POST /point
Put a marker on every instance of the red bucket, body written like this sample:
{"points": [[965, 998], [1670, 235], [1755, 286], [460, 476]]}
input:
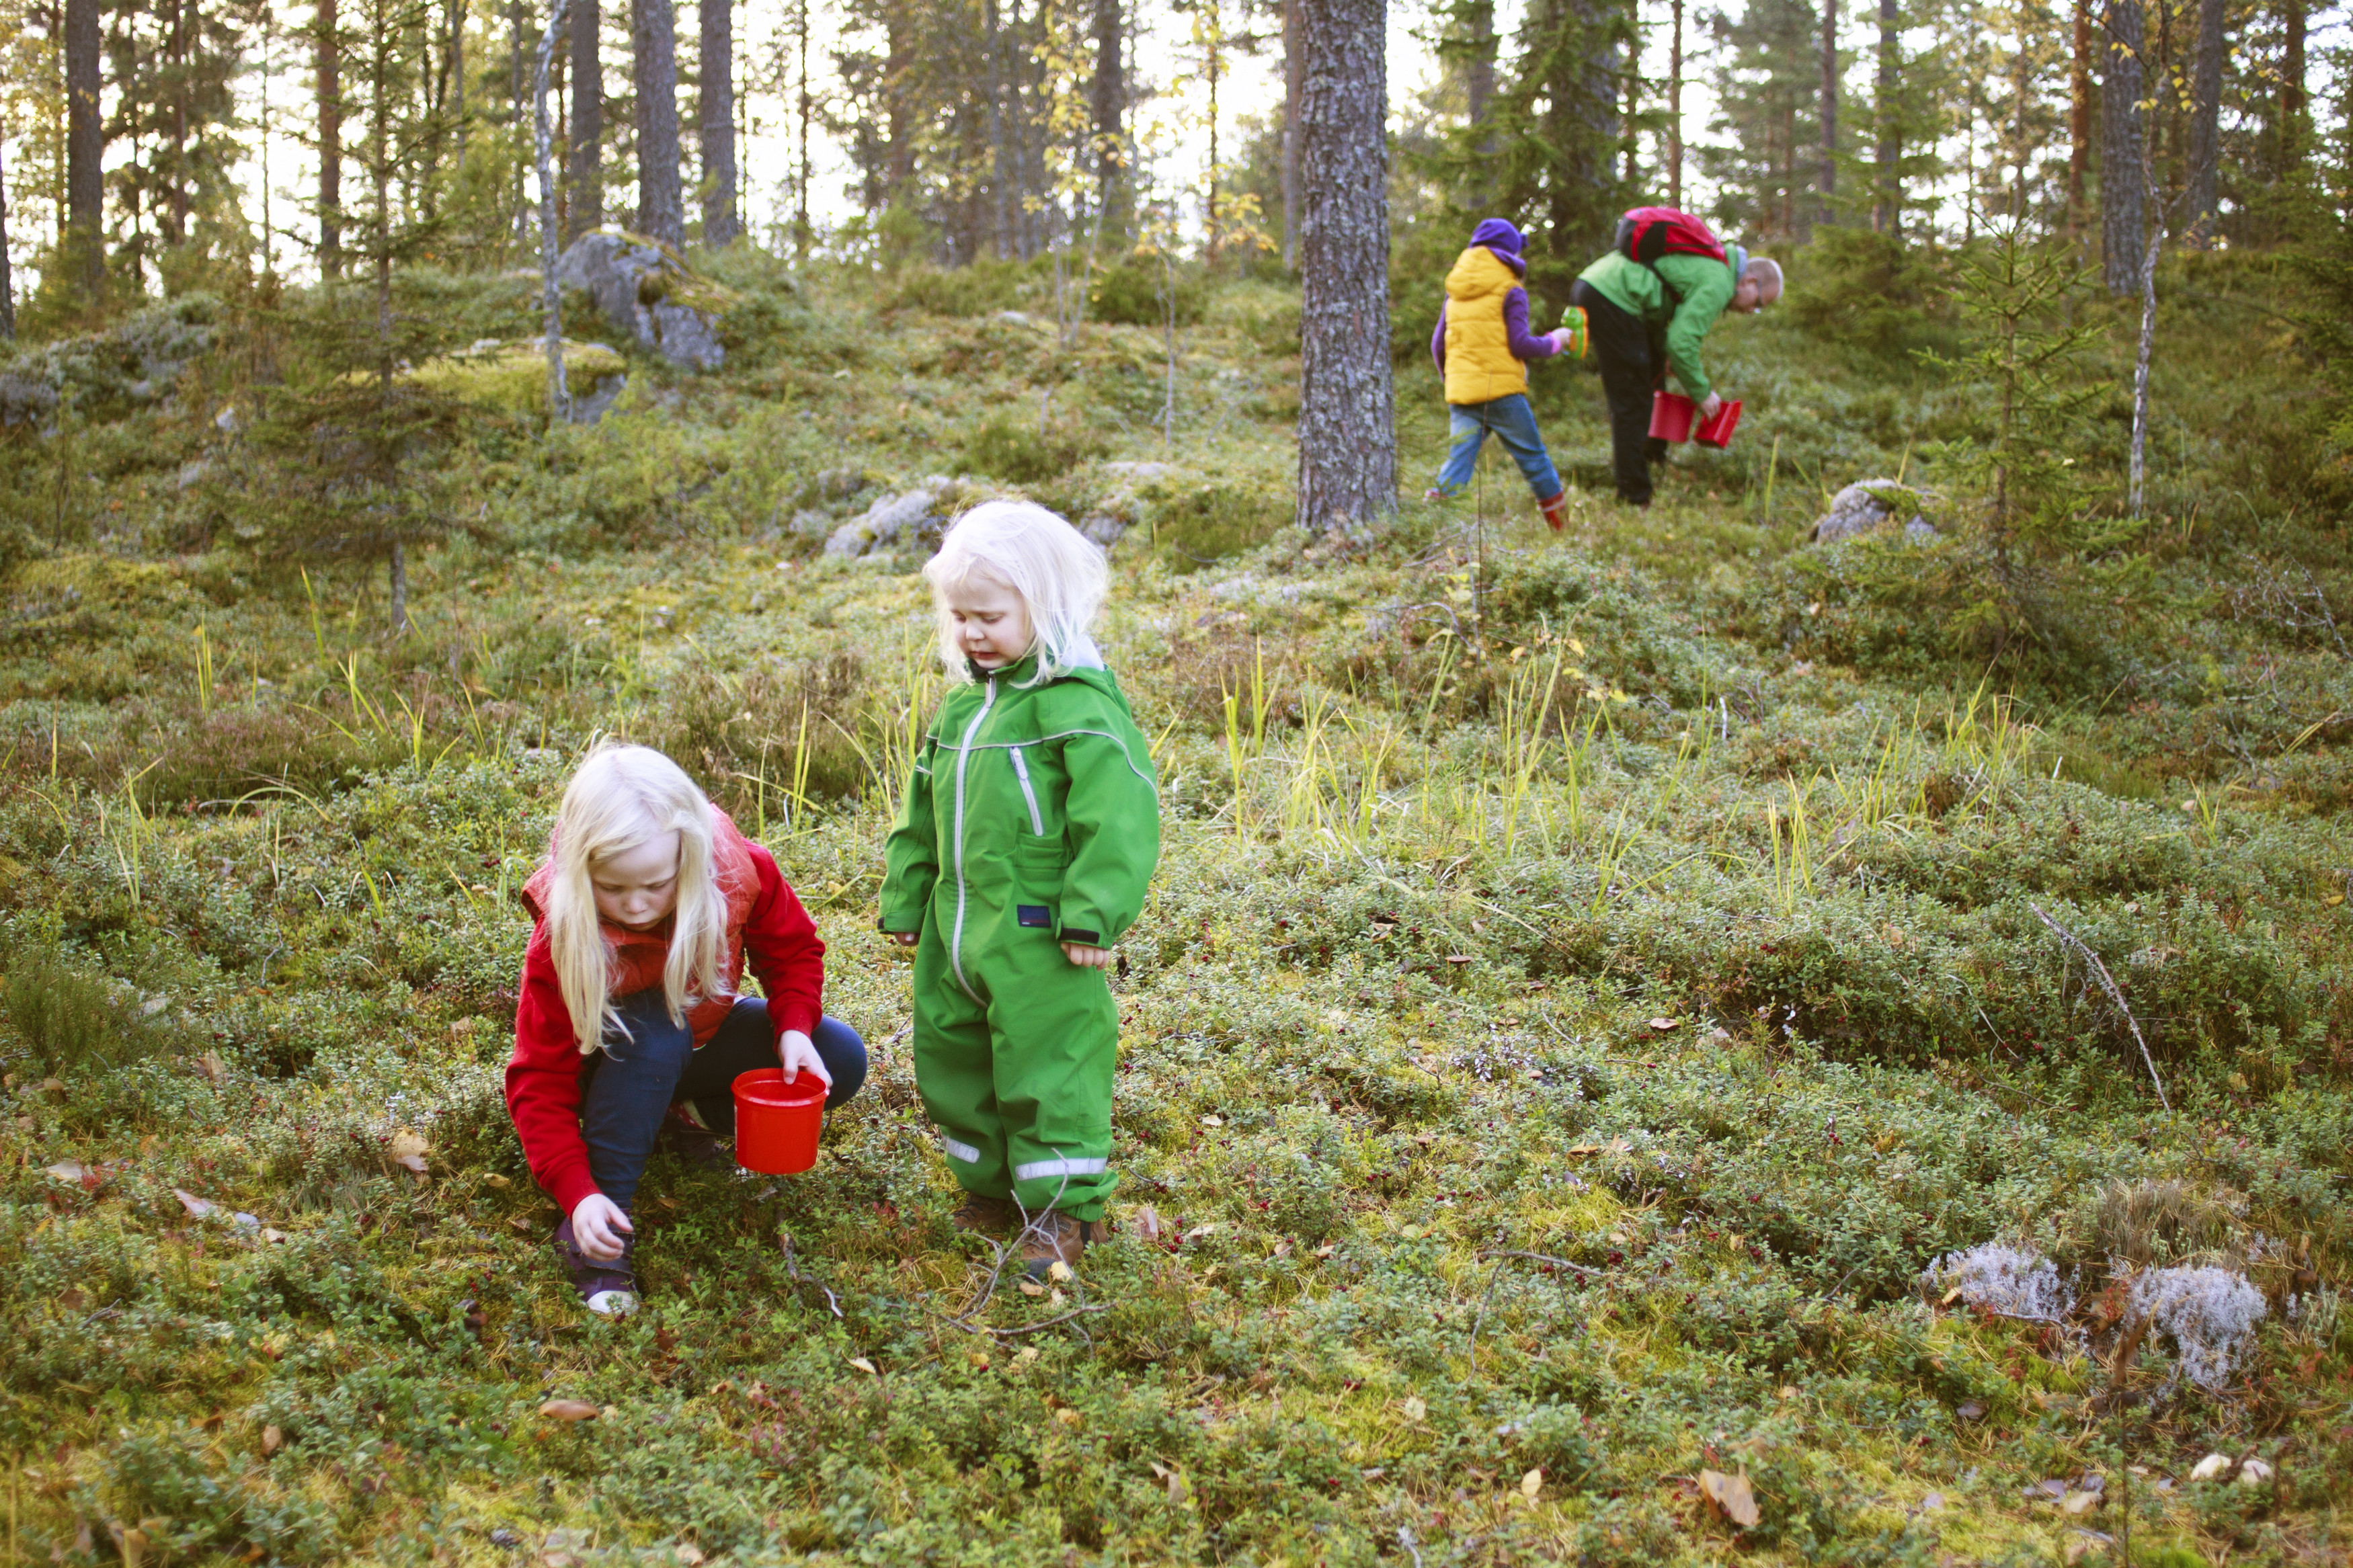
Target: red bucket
{"points": [[1671, 417], [1717, 432], [776, 1123]]}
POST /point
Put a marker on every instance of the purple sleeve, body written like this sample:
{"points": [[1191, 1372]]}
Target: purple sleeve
{"points": [[1438, 340], [1515, 328]]}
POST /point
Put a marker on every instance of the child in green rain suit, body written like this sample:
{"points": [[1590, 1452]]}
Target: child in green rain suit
{"points": [[1030, 831]]}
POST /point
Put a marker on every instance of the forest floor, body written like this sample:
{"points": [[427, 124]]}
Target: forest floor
{"points": [[1592, 982]]}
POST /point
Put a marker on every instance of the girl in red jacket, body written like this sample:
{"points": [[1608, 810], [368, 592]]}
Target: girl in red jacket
{"points": [[629, 1027]]}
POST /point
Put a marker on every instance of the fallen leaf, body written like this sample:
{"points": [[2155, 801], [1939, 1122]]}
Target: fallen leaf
{"points": [[979, 1359], [2207, 1469], [1951, 1295], [1532, 1483], [1144, 1224], [1058, 1272], [568, 1410], [1054, 1298], [521, 1221], [54, 1088], [69, 1171], [1585, 1148], [1788, 1391], [272, 1236], [1031, 1287], [1968, 1410], [1283, 1248], [272, 1440], [1028, 1353], [1327, 1249], [692, 1556], [2253, 1473], [211, 1066], [2078, 1502], [1213, 1121], [1066, 1416], [73, 1299], [1732, 1495], [1666, 1026], [1931, 1502], [409, 1151], [862, 1364], [502, 1183], [198, 1207], [1199, 1230], [1414, 1407]]}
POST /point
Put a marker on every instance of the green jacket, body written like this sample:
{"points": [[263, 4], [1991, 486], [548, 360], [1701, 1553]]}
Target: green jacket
{"points": [[1706, 289], [1022, 793]]}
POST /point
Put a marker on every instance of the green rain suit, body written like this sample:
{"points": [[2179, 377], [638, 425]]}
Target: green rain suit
{"points": [[1031, 819]]}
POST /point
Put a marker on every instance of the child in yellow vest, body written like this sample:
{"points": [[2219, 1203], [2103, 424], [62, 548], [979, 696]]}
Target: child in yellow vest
{"points": [[1482, 347]]}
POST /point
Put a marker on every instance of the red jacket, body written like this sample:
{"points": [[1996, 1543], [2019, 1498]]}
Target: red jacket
{"points": [[765, 924]]}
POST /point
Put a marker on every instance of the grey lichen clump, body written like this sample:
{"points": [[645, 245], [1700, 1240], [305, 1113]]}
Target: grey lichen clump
{"points": [[1869, 505], [2017, 1282], [2209, 1314]]}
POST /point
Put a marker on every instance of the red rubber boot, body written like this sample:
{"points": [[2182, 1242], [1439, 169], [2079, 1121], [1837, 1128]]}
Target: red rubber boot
{"points": [[1555, 509]]}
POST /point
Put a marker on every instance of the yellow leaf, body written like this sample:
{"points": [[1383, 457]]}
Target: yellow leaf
{"points": [[979, 1359], [406, 1143], [1066, 1416], [1031, 1287], [862, 1364], [495, 1179], [569, 1410], [1058, 1272], [272, 1440], [1532, 1483], [1732, 1496]]}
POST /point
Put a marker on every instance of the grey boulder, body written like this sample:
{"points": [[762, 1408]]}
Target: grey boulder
{"points": [[1867, 506], [635, 284], [911, 520]]}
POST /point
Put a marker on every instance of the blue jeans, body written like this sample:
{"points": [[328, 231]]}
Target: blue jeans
{"points": [[1511, 421], [627, 1088]]}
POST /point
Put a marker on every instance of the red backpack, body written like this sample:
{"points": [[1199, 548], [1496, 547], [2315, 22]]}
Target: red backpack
{"points": [[1645, 234]]}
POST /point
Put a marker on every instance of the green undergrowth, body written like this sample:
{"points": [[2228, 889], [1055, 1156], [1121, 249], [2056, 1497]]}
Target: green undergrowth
{"points": [[1591, 981]]}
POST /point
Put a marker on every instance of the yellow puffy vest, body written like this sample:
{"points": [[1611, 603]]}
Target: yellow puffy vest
{"points": [[1479, 364]]}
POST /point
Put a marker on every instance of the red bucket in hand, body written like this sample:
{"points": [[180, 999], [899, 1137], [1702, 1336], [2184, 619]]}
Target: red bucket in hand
{"points": [[1671, 417], [1717, 432], [776, 1123]]}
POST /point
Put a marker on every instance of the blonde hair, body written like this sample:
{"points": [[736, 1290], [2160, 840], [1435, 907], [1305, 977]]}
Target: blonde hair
{"points": [[620, 798], [1057, 571], [1768, 274]]}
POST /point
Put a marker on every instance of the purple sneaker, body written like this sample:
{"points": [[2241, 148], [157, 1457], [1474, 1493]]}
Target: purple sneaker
{"points": [[685, 1134], [609, 1289]]}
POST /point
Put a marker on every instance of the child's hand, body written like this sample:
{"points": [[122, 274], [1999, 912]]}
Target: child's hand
{"points": [[1710, 406], [904, 938], [796, 1054], [1086, 957], [598, 1225]]}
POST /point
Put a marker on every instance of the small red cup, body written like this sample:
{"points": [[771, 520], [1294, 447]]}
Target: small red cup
{"points": [[1671, 417], [1717, 432], [776, 1123]]}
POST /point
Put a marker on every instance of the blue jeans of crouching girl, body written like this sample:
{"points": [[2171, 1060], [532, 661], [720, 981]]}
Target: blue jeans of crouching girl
{"points": [[626, 1089], [1511, 421]]}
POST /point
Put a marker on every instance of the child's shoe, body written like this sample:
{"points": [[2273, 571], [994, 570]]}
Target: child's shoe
{"points": [[1055, 1237], [1555, 510], [607, 1289], [985, 1215], [1433, 493], [685, 1134]]}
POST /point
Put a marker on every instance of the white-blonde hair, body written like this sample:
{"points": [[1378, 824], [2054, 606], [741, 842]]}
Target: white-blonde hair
{"points": [[1767, 273], [620, 797], [1057, 571]]}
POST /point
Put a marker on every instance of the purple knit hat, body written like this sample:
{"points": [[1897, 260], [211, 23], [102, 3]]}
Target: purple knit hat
{"points": [[1497, 235]]}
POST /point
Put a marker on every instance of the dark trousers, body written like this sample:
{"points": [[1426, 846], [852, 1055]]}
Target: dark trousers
{"points": [[1632, 369], [627, 1088]]}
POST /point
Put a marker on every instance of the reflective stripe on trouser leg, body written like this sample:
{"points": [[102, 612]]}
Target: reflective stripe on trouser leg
{"points": [[952, 1072], [1057, 1038]]}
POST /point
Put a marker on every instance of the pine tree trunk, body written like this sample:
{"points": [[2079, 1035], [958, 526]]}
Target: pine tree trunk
{"points": [[661, 202], [805, 106], [1348, 435], [175, 181], [559, 395], [396, 572], [1108, 107], [458, 72], [717, 106], [1887, 200], [514, 99], [85, 149], [2291, 93], [1829, 107], [2122, 224], [1000, 173], [2079, 119], [1479, 68], [7, 283], [1294, 61], [584, 206], [1675, 107], [898, 131], [2205, 123]]}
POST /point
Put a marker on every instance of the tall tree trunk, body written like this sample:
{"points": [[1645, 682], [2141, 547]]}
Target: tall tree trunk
{"points": [[2121, 230], [2079, 119], [1108, 108], [1478, 66], [175, 181], [457, 56], [1675, 107], [899, 131], [1887, 199], [806, 105], [2021, 63], [584, 185], [85, 149], [1000, 163], [661, 202], [559, 395], [1631, 143], [514, 99], [1347, 413], [7, 283], [717, 114], [1829, 107], [2291, 93], [1295, 64]]}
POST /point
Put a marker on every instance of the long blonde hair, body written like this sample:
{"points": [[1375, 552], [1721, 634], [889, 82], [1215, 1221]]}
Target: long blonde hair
{"points": [[1057, 571], [620, 798]]}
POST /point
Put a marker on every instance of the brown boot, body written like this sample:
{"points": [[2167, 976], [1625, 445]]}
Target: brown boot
{"points": [[985, 1215], [1055, 1237]]}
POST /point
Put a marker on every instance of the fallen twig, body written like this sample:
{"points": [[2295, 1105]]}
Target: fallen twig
{"points": [[2116, 994], [1583, 1274]]}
